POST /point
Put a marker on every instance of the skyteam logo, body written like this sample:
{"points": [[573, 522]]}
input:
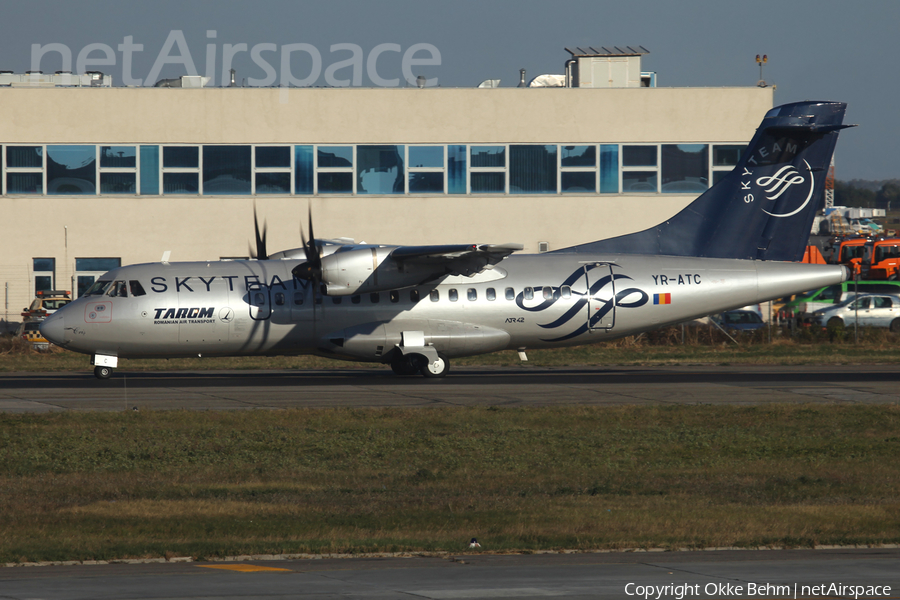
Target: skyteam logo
{"points": [[774, 186]]}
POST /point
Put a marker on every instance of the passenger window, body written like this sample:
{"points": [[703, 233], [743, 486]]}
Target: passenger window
{"points": [[453, 294], [136, 288], [414, 296], [259, 298], [355, 299], [472, 294], [395, 296], [279, 299], [565, 291], [434, 295], [548, 292], [298, 298], [528, 293], [375, 297], [510, 294], [490, 294]]}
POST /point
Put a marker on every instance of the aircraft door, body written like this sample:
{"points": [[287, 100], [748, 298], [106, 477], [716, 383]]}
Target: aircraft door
{"points": [[601, 293], [259, 299]]}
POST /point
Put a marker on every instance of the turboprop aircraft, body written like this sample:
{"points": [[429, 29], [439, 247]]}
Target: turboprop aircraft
{"points": [[417, 307]]}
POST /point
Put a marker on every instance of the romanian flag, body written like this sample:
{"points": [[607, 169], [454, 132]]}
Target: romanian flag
{"points": [[662, 298]]}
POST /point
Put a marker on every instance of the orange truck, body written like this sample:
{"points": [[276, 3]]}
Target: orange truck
{"points": [[882, 260]]}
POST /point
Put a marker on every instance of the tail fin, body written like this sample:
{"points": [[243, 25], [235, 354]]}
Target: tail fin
{"points": [[764, 208]]}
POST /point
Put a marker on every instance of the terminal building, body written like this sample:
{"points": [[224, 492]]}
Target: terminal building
{"points": [[96, 176]]}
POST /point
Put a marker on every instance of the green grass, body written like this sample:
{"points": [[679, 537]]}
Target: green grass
{"points": [[118, 485]]}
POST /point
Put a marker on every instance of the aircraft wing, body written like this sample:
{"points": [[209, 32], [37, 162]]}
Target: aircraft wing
{"points": [[454, 259]]}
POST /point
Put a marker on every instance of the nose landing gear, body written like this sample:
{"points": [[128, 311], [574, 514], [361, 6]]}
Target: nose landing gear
{"points": [[102, 372], [104, 365]]}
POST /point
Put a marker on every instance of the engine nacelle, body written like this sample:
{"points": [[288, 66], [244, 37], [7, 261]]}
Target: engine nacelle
{"points": [[370, 269]]}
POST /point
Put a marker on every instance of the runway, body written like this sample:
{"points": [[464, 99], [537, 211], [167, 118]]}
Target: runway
{"points": [[700, 574], [467, 386]]}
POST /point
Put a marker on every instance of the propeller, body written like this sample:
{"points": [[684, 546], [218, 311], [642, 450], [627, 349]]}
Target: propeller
{"points": [[260, 253], [311, 270]]}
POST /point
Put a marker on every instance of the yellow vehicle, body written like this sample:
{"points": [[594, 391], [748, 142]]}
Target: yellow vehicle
{"points": [[46, 303], [31, 333]]}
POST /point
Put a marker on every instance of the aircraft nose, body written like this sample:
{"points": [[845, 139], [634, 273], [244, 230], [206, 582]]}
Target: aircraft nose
{"points": [[54, 328]]}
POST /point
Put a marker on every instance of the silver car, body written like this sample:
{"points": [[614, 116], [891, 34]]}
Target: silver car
{"points": [[873, 310]]}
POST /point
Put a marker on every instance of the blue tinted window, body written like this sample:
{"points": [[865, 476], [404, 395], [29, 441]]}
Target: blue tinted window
{"points": [[335, 156], [426, 156], [578, 156], [532, 169], [685, 168], [578, 181], [44, 264], [24, 183], [380, 169], [181, 183], [185, 157], [638, 156], [117, 183], [609, 169], [24, 156], [149, 170], [273, 156], [335, 183], [273, 183], [71, 170], [456, 169], [727, 156], [226, 170], [488, 156], [426, 183], [303, 166], [97, 264], [639, 181], [488, 183], [118, 156]]}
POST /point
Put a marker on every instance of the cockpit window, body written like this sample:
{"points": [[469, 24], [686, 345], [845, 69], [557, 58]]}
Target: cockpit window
{"points": [[136, 288], [99, 288], [118, 290]]}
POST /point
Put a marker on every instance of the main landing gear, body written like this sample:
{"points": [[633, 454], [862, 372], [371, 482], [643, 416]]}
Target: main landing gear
{"points": [[410, 364]]}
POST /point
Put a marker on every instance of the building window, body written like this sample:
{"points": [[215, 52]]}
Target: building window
{"points": [[118, 169], [334, 169], [685, 168], [380, 170], [44, 274], [426, 169], [578, 169], [639, 168], [87, 270], [724, 159], [149, 171], [488, 170], [181, 170], [272, 170], [304, 170], [532, 169], [456, 169], [71, 170], [609, 169], [226, 170]]}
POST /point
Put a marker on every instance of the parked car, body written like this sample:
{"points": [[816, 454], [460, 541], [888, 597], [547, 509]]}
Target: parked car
{"points": [[872, 311], [739, 320], [803, 305]]}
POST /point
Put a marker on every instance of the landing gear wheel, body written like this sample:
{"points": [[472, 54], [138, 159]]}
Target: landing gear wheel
{"points": [[102, 372], [405, 365], [438, 368], [895, 325]]}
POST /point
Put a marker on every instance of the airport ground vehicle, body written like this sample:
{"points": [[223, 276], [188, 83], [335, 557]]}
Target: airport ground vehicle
{"points": [[46, 303], [803, 305], [882, 259], [30, 332], [869, 310]]}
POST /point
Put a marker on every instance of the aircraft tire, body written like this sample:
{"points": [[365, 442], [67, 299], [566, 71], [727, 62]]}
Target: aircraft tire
{"points": [[405, 365], [438, 368], [102, 372]]}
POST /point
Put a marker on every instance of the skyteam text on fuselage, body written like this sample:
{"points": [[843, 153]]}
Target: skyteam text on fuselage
{"points": [[417, 307]]}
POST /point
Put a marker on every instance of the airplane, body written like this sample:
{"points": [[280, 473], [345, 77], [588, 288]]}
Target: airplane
{"points": [[416, 308]]}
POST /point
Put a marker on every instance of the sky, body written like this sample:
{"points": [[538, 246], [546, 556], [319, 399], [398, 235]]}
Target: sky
{"points": [[816, 49]]}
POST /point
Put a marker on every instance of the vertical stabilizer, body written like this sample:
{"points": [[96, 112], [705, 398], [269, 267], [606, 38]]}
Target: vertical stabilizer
{"points": [[764, 208]]}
